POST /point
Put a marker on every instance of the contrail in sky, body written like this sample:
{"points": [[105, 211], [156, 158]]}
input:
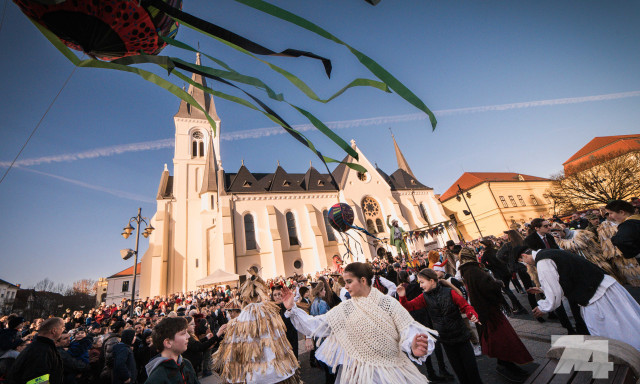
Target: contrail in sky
{"points": [[344, 124], [114, 192]]}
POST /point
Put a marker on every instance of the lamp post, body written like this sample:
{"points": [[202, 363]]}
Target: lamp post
{"points": [[461, 193], [127, 232]]}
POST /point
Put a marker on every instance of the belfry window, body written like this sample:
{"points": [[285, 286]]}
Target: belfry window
{"points": [[197, 144]]}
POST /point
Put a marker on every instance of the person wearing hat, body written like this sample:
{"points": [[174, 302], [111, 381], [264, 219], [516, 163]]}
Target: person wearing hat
{"points": [[607, 308], [450, 258], [11, 336], [396, 238], [108, 343], [124, 364]]}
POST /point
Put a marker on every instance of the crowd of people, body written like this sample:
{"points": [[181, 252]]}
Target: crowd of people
{"points": [[372, 322]]}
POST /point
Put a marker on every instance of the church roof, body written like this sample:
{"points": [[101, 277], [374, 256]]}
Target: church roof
{"points": [[469, 180], [402, 162], [204, 99], [209, 179], [402, 180], [277, 182]]}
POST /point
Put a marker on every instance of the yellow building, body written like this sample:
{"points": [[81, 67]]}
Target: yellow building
{"points": [[496, 200]]}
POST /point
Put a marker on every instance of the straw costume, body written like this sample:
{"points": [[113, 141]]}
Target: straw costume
{"points": [[255, 347], [369, 337], [629, 269]]}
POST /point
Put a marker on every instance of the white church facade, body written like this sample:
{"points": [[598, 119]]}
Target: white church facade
{"points": [[209, 219]]}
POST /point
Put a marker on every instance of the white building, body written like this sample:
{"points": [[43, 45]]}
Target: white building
{"points": [[208, 219], [119, 285], [7, 296]]}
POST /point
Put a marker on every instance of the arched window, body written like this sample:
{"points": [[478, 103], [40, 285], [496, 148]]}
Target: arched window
{"points": [[197, 144], [291, 227], [372, 215], [370, 227], [249, 232], [330, 235]]}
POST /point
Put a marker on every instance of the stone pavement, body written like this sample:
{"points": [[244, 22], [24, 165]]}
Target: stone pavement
{"points": [[535, 336]]}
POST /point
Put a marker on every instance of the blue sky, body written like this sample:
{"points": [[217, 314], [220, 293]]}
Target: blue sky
{"points": [[62, 218]]}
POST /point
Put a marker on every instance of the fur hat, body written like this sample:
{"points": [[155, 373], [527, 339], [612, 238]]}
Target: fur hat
{"points": [[14, 322], [450, 243], [467, 256], [233, 305]]}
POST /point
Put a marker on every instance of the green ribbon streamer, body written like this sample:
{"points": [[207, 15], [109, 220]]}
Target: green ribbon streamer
{"points": [[369, 63]]}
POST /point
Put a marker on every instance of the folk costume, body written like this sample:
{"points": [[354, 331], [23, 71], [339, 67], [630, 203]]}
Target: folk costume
{"points": [[397, 238], [607, 308], [628, 269], [628, 237], [497, 336], [369, 337], [255, 348], [582, 242]]}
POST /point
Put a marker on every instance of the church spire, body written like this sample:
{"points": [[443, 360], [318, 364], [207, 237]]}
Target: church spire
{"points": [[402, 162], [204, 99], [209, 182]]}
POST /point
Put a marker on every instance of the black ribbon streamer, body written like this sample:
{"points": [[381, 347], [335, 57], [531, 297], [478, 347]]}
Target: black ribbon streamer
{"points": [[231, 36]]}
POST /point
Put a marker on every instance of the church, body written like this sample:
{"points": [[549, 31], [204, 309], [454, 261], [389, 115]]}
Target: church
{"points": [[209, 219]]}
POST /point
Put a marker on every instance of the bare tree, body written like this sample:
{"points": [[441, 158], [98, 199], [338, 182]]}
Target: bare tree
{"points": [[596, 182], [44, 285]]}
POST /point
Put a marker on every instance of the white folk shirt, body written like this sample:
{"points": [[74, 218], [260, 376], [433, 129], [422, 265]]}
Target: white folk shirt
{"points": [[550, 284]]}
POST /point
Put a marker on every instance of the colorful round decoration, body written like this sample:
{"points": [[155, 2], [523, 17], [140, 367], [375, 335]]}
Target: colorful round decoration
{"points": [[340, 217]]}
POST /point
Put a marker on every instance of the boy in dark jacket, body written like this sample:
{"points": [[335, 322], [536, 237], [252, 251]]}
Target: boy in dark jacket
{"points": [[171, 338], [79, 347]]}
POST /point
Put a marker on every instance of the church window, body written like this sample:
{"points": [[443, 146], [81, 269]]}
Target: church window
{"points": [[197, 263], [372, 213], [330, 235], [546, 197], [521, 200], [534, 200], [125, 286], [249, 232], [212, 201], [291, 228], [504, 202], [320, 183], [197, 144], [297, 264], [423, 212], [286, 184], [513, 201], [413, 182], [246, 184], [370, 227], [362, 176]]}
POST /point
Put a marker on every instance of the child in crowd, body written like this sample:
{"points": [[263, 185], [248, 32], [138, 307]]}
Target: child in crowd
{"points": [[171, 338]]}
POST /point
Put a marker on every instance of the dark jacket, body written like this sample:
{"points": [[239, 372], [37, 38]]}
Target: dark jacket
{"points": [[579, 278], [628, 238], [9, 339], [72, 366], [292, 333], [497, 267], [39, 358], [6, 362], [445, 315], [124, 364], [534, 242], [196, 349], [165, 371]]}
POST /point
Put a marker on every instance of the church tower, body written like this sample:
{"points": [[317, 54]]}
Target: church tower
{"points": [[195, 163]]}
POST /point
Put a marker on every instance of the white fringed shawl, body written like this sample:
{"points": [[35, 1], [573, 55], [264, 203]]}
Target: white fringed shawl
{"points": [[367, 336]]}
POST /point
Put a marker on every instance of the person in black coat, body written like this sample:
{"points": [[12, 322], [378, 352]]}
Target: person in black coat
{"points": [[72, 366], [501, 273], [11, 336], [292, 333], [540, 238], [41, 357], [124, 363], [196, 348], [627, 239]]}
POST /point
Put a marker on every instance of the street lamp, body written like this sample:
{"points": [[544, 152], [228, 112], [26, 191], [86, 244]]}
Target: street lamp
{"points": [[461, 196], [127, 232]]}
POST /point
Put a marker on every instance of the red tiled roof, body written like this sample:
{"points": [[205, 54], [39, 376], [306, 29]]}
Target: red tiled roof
{"points": [[471, 179], [604, 145], [127, 272]]}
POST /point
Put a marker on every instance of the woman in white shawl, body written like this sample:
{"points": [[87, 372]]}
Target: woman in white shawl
{"points": [[371, 337]]}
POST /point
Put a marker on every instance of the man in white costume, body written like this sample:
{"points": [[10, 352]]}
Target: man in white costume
{"points": [[607, 308]]}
